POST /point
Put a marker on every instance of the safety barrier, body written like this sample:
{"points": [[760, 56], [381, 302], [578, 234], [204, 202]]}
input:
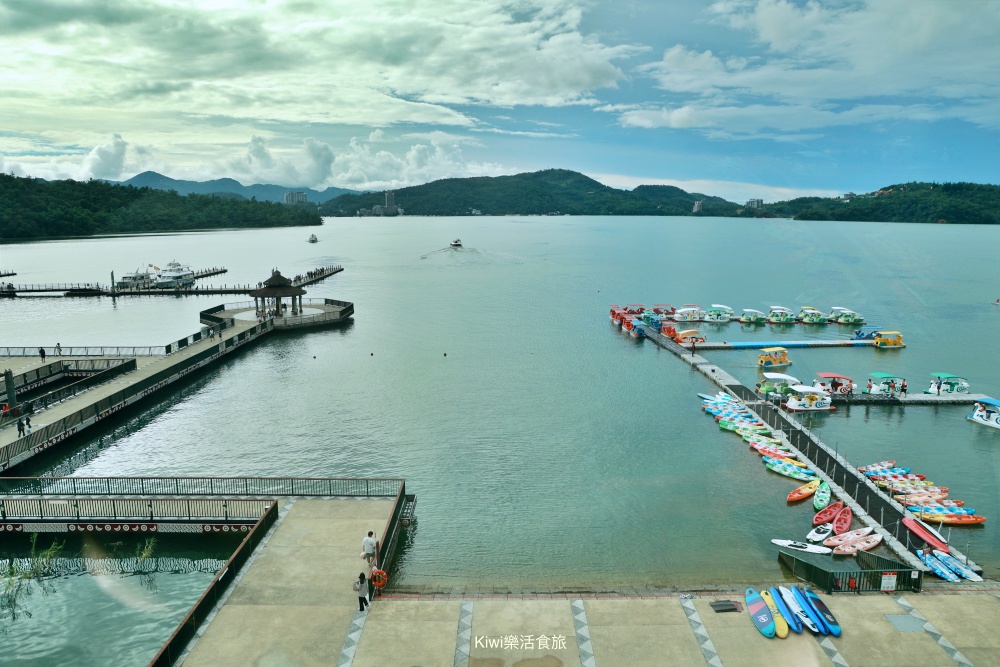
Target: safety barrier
{"points": [[866, 573], [131, 509], [270, 487]]}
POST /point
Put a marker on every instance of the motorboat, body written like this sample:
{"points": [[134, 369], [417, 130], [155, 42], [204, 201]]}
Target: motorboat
{"points": [[886, 384], [780, 315], [751, 316], [986, 412], [889, 340], [175, 275], [810, 315], [773, 357], [777, 383], [718, 313], [312, 238], [842, 315], [688, 314], [808, 399], [834, 383], [946, 383], [457, 243], [138, 279]]}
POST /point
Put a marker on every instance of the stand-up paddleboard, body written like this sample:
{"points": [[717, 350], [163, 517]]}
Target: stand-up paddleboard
{"points": [[820, 533], [957, 566], [780, 624], [802, 546], [937, 567], [794, 624], [793, 605], [926, 533], [759, 612], [809, 611], [824, 612]]}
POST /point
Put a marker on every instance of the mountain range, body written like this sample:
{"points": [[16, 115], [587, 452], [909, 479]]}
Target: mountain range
{"points": [[228, 186]]}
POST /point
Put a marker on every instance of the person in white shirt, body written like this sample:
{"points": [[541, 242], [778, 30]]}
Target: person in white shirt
{"points": [[368, 546]]}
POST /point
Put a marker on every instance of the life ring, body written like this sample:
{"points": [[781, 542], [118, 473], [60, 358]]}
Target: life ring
{"points": [[379, 578]]}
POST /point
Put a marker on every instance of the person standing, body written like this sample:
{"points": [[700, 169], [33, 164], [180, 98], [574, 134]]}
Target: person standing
{"points": [[58, 350], [938, 384], [892, 387], [27, 423], [361, 586], [368, 547], [902, 389], [869, 385], [41, 353], [692, 347], [20, 427]]}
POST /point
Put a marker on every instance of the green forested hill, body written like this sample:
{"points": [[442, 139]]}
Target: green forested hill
{"points": [[34, 208], [543, 192], [951, 203]]}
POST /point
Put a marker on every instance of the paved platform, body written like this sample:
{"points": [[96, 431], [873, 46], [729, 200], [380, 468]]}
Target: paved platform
{"points": [[294, 606]]}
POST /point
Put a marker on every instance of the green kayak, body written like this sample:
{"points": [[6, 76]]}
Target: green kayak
{"points": [[790, 471], [822, 496]]}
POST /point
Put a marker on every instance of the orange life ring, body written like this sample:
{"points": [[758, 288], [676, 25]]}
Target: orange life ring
{"points": [[379, 578]]}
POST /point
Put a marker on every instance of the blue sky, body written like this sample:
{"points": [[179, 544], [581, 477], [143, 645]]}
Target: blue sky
{"points": [[735, 98]]}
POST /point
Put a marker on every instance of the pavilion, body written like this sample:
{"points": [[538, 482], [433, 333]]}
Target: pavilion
{"points": [[274, 290]]}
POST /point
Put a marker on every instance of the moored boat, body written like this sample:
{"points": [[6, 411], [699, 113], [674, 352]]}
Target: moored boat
{"points": [[175, 275], [863, 544], [810, 315], [138, 279], [883, 384], [777, 383], [946, 383], [808, 399], [751, 316], [889, 340], [842, 315], [834, 383], [718, 313], [688, 314], [780, 315]]}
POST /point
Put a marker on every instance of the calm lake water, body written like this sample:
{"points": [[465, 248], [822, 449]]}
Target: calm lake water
{"points": [[546, 448]]}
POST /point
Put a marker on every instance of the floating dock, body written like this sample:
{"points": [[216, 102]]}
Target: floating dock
{"points": [[4, 274], [137, 373], [857, 491], [749, 345]]}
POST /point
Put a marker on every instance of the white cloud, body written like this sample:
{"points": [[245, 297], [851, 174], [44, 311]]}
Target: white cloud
{"points": [[823, 64], [106, 161]]}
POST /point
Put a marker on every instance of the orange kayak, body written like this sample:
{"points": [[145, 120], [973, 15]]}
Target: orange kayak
{"points": [[953, 519], [803, 491]]}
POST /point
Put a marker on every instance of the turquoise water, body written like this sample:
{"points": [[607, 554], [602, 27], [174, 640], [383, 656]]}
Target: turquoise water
{"points": [[546, 448]]}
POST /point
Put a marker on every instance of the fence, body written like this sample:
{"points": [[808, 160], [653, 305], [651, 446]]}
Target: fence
{"points": [[269, 487], [867, 573], [131, 509], [142, 351], [178, 641]]}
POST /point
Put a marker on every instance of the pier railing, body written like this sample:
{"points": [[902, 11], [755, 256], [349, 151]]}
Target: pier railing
{"points": [[97, 351], [268, 487], [867, 573], [131, 509], [185, 631]]}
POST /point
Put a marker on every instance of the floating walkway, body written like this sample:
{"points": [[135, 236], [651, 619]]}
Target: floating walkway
{"points": [[857, 491], [11, 290], [748, 345], [4, 274], [909, 399]]}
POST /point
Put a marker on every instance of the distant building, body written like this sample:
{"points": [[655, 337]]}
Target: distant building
{"points": [[378, 210], [390, 204], [848, 196], [296, 198], [755, 203], [476, 211], [697, 207]]}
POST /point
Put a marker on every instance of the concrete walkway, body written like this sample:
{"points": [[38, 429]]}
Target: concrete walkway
{"points": [[294, 606]]}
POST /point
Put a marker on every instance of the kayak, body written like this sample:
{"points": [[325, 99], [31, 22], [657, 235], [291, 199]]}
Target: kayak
{"points": [[907, 498], [827, 514], [837, 540], [940, 509], [842, 522], [790, 471], [780, 461], [900, 477], [822, 497], [926, 499], [937, 567], [926, 533], [803, 491], [780, 624], [802, 546], [954, 519], [957, 566], [820, 533], [880, 464], [853, 547], [886, 471]]}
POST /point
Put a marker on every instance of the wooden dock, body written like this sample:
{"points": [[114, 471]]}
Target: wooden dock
{"points": [[857, 491], [4, 274], [748, 345], [11, 290]]}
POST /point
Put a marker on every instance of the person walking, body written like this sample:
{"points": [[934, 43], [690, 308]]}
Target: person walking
{"points": [[27, 424], [902, 389], [41, 353], [361, 586], [892, 387], [58, 350], [20, 427], [692, 347], [368, 547]]}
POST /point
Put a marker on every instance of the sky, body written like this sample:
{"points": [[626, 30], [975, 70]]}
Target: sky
{"points": [[735, 98]]}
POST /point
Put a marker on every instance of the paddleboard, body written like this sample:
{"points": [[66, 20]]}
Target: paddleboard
{"points": [[820, 533], [957, 566], [780, 624], [759, 612], [808, 609], [937, 567], [926, 533], [820, 608], [794, 624], [793, 605], [802, 546]]}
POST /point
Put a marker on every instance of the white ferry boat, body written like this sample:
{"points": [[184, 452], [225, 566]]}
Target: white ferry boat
{"points": [[138, 279], [175, 275]]}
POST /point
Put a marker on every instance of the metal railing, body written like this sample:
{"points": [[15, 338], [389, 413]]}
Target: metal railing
{"points": [[51, 287], [867, 573], [269, 487], [97, 351], [178, 641], [131, 509]]}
